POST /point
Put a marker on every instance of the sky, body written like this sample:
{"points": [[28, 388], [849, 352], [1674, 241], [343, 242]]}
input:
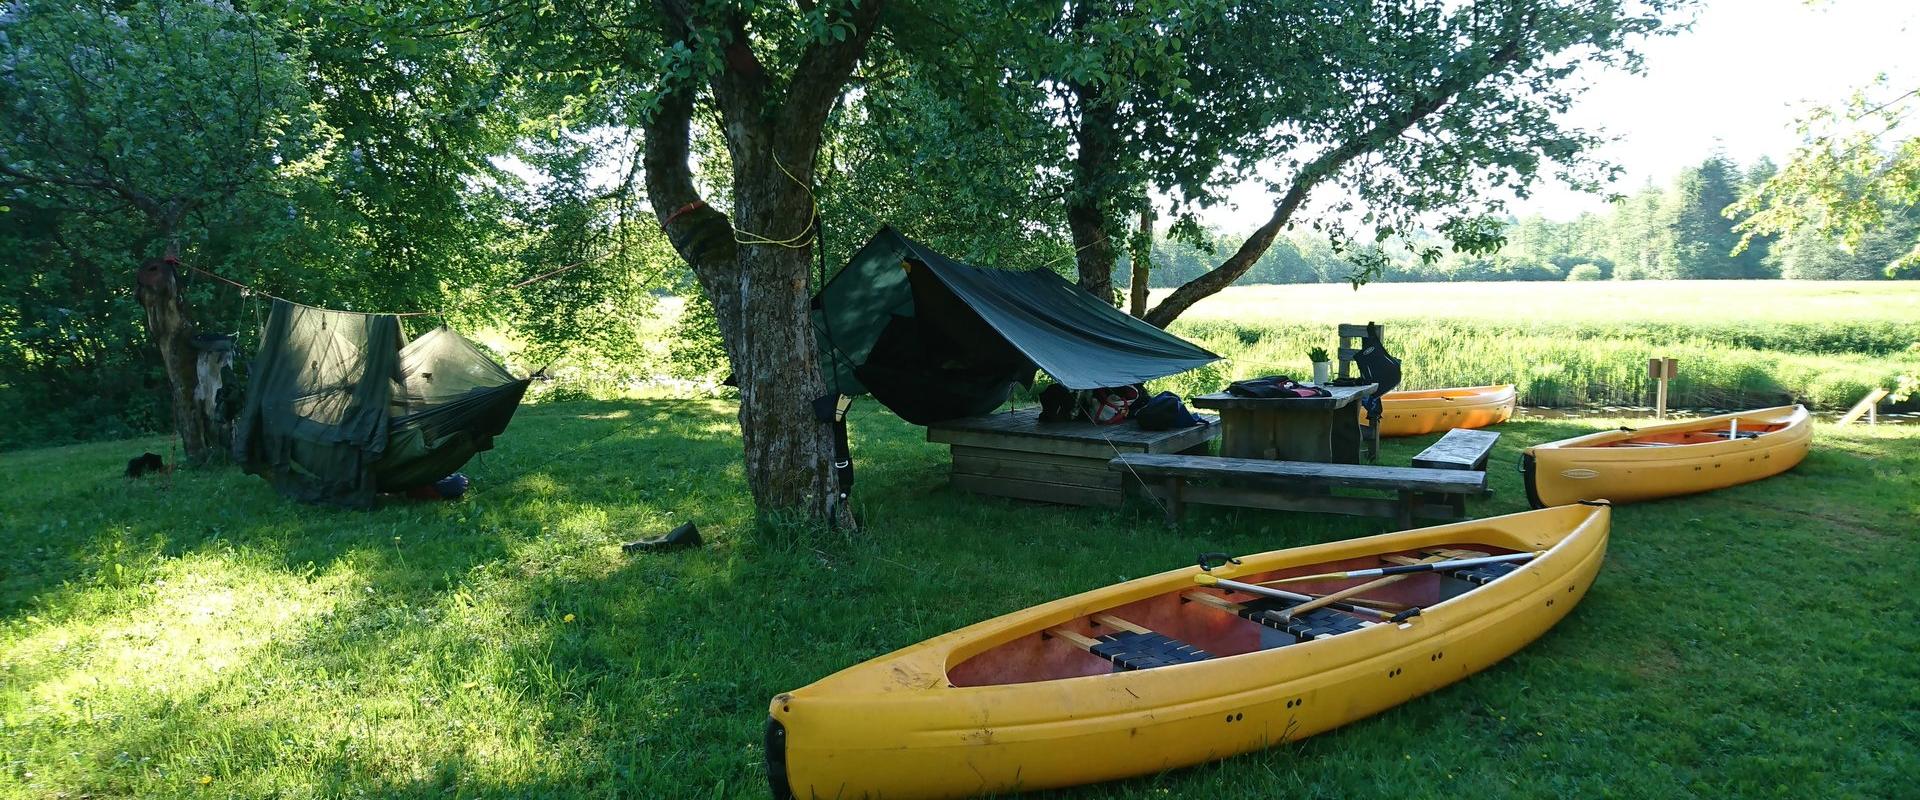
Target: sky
{"points": [[1739, 78]]}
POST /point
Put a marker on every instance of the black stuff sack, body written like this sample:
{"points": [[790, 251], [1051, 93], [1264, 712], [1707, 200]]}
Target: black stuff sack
{"points": [[1165, 412]]}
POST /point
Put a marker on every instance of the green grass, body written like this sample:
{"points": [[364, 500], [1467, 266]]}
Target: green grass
{"points": [[1741, 344], [195, 637]]}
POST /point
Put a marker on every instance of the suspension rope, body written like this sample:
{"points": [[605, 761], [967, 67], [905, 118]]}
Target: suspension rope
{"points": [[246, 289], [798, 240]]}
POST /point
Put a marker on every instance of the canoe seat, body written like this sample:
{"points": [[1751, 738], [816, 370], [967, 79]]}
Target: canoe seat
{"points": [[1483, 574], [1129, 650], [1316, 624]]}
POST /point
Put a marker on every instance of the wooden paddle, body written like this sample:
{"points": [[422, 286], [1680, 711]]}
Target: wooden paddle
{"points": [[1348, 593], [1204, 579], [1438, 566]]}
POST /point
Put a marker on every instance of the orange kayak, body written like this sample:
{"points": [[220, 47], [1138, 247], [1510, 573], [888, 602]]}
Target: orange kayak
{"points": [[1674, 458], [1421, 411]]}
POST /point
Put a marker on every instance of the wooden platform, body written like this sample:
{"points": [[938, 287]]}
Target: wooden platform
{"points": [[1014, 454]]}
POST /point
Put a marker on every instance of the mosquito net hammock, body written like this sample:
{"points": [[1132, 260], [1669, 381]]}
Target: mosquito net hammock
{"points": [[341, 406]]}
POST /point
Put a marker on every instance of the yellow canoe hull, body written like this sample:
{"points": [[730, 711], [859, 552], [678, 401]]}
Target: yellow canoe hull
{"points": [[897, 727], [1628, 466], [1423, 411]]}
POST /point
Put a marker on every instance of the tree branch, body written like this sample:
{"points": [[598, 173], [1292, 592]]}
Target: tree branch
{"points": [[1466, 74]]}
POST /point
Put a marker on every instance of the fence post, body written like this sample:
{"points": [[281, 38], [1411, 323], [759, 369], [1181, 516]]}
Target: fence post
{"points": [[1661, 370]]}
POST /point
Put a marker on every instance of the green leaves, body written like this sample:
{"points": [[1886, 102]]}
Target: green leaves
{"points": [[1856, 174]]}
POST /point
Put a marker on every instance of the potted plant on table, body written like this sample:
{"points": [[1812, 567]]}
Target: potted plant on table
{"points": [[1321, 366]]}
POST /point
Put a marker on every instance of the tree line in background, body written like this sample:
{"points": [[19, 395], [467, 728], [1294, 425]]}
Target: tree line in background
{"points": [[1689, 229]]}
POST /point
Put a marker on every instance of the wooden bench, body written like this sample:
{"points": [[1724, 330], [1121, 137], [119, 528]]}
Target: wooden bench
{"points": [[1291, 486], [1463, 449]]}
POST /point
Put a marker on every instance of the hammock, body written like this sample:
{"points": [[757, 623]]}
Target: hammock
{"points": [[340, 407]]}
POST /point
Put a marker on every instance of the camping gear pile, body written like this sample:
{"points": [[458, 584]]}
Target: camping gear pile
{"points": [[1114, 405], [341, 407]]}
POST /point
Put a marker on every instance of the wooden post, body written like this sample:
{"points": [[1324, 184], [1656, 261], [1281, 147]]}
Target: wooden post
{"points": [[1867, 406], [1661, 370]]}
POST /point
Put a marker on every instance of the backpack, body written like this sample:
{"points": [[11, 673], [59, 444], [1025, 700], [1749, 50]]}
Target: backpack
{"points": [[1377, 366], [1165, 412]]}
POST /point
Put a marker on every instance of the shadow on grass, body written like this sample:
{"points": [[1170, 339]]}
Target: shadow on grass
{"points": [[505, 646]]}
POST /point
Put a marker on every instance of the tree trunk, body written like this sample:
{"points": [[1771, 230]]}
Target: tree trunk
{"points": [[1142, 265], [1093, 251], [754, 267], [172, 333], [789, 449]]}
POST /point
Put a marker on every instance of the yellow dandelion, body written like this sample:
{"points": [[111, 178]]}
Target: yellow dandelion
{"points": [[567, 618]]}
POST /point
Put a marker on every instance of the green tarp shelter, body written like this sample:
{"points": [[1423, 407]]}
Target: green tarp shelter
{"points": [[934, 339], [340, 406]]}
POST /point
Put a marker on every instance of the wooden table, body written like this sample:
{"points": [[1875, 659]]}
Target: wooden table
{"points": [[1014, 454], [1317, 429]]}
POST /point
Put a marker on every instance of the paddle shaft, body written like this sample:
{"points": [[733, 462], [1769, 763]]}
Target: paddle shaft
{"points": [[1282, 594], [1441, 566], [1345, 594]]}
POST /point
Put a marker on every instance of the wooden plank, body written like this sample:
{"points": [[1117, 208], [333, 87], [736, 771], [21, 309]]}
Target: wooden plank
{"points": [[1023, 432], [1186, 439], [1027, 456], [1342, 396], [1213, 601], [1460, 448], [1245, 497], [1075, 639], [1347, 330], [1446, 481], [1865, 405], [1112, 621], [1064, 494], [1089, 473], [1083, 448]]}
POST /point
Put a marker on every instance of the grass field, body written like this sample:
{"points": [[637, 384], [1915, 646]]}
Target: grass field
{"points": [[195, 637], [1741, 344]]}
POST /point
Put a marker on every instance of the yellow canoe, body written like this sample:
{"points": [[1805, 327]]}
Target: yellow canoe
{"points": [[1420, 411], [1022, 702], [1674, 458]]}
